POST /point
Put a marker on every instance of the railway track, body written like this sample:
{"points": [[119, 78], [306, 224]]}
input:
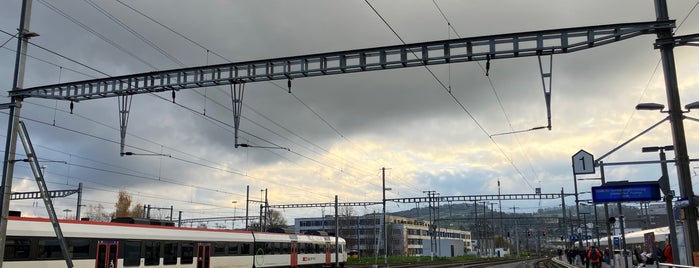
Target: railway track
{"points": [[547, 263]]}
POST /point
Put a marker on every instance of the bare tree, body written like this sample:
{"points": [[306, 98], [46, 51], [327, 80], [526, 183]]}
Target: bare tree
{"points": [[347, 211], [97, 213]]}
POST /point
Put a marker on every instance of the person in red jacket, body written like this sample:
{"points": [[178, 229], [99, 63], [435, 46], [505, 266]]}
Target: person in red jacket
{"points": [[594, 256], [667, 252]]}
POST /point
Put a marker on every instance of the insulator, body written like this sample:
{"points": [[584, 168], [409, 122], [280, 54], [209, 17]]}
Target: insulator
{"points": [[487, 65]]}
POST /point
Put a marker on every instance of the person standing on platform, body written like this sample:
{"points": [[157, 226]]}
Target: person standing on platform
{"points": [[594, 257], [667, 252]]}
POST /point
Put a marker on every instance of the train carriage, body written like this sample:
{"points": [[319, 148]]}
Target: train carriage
{"points": [[31, 242]]}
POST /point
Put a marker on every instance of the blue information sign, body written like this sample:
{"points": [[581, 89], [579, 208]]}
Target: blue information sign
{"points": [[626, 192]]}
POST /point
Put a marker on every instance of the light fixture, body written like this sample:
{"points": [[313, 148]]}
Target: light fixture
{"points": [[693, 105], [650, 106]]}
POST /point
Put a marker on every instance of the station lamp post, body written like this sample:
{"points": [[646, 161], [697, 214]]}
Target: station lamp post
{"points": [[676, 116]]}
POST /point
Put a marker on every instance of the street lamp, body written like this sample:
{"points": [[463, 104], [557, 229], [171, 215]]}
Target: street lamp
{"points": [[665, 186]]}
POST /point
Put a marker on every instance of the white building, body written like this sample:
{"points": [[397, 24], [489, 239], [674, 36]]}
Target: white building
{"points": [[408, 237]]}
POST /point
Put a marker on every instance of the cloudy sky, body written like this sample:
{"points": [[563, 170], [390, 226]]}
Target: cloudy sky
{"points": [[340, 130]]}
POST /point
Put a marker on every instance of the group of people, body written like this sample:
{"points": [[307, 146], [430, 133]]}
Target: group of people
{"points": [[593, 257]]}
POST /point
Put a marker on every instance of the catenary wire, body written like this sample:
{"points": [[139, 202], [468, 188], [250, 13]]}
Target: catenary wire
{"points": [[96, 33], [492, 87], [463, 107]]}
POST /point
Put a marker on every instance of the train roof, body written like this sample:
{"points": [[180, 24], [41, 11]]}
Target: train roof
{"points": [[41, 227]]}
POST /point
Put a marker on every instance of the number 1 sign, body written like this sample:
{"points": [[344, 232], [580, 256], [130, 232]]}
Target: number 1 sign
{"points": [[583, 163]]}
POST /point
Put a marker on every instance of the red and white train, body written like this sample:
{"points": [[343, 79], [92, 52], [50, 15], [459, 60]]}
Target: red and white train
{"points": [[31, 242]]}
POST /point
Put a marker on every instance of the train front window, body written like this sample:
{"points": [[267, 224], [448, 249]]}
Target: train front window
{"points": [[17, 248]]}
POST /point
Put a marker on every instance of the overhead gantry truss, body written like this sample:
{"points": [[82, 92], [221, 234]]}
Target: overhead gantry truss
{"points": [[474, 198], [525, 44], [37, 194], [328, 204], [434, 199]]}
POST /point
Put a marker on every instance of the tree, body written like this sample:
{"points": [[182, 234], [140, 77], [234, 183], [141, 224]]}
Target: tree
{"points": [[347, 211], [97, 213], [273, 219], [123, 207]]}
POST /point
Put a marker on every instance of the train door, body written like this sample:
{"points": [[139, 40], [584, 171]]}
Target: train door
{"points": [[203, 255], [107, 252], [327, 255], [294, 254]]}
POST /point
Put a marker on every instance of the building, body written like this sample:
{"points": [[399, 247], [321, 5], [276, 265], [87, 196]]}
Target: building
{"points": [[406, 236]]}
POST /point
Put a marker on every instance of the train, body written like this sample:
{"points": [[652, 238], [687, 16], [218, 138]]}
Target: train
{"points": [[32, 242]]}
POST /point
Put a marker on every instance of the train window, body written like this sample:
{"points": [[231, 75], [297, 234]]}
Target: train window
{"points": [[17, 248], [187, 253], [151, 254], [169, 253], [49, 249], [132, 253], [219, 249], [79, 248], [276, 248], [245, 249], [233, 248], [286, 248]]}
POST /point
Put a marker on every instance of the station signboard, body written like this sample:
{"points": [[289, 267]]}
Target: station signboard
{"points": [[626, 192]]}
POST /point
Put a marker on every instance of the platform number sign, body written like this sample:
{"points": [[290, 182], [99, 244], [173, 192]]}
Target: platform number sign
{"points": [[583, 163]]}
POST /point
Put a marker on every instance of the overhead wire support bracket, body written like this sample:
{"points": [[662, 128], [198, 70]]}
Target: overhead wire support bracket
{"points": [[501, 46], [124, 105], [237, 91], [546, 77]]}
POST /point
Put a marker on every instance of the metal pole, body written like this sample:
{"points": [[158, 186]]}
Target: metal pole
{"points": [[337, 235], [13, 125], [500, 212], [385, 233], [80, 201], [247, 207], [678, 136], [610, 244], [577, 206], [665, 183], [622, 241]]}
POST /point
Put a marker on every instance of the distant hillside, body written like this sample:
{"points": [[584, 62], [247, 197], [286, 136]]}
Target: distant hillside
{"points": [[464, 216]]}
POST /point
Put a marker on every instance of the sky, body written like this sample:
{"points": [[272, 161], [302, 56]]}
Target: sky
{"points": [[340, 130]]}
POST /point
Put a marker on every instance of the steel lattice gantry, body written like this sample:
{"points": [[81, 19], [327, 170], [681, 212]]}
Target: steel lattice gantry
{"points": [[472, 198], [37, 194], [327, 204], [535, 43]]}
